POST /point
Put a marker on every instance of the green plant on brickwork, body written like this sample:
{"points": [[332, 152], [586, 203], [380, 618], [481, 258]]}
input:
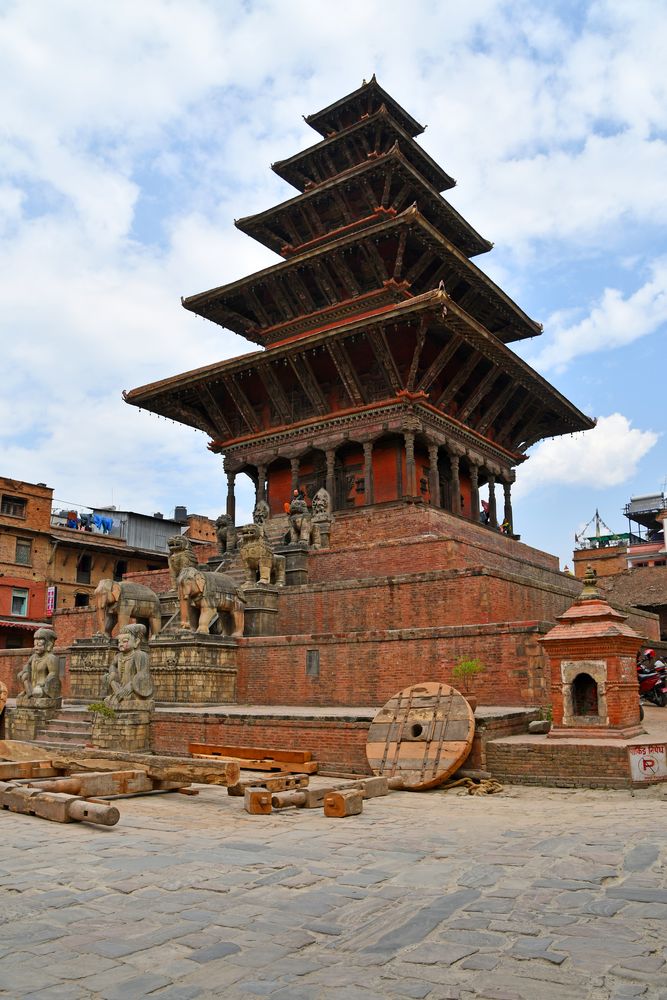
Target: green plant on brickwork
{"points": [[547, 713], [466, 669], [99, 708]]}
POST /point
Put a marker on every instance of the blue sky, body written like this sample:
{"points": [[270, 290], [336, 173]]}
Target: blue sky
{"points": [[132, 135]]}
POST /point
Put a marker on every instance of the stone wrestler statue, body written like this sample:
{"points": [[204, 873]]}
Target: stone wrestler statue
{"points": [[40, 677], [129, 678]]}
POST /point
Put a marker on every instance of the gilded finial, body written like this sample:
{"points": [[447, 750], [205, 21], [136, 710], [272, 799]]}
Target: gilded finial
{"points": [[590, 591]]}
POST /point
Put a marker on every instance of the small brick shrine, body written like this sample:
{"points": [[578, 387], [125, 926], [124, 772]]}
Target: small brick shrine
{"points": [[594, 693]]}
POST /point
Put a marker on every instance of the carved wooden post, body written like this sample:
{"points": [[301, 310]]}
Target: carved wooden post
{"points": [[474, 491], [455, 483], [411, 485], [493, 516], [330, 455], [294, 464], [231, 499], [434, 478], [507, 512], [368, 471], [261, 483]]}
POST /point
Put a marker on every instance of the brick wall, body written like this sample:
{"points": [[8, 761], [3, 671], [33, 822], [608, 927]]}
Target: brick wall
{"points": [[367, 668], [336, 742], [419, 600], [11, 661], [538, 761]]}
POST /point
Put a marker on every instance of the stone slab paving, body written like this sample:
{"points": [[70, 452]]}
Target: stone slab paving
{"points": [[531, 894]]}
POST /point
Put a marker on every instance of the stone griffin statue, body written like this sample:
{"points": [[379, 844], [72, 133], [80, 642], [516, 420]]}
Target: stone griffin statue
{"points": [[302, 528], [321, 507], [181, 557], [40, 677], [129, 679], [225, 533], [202, 595], [260, 563], [119, 601]]}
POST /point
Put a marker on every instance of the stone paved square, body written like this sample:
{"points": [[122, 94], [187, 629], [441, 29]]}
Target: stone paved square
{"points": [[531, 893]]}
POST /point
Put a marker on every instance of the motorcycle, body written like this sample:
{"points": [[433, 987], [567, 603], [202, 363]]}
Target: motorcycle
{"points": [[652, 685]]}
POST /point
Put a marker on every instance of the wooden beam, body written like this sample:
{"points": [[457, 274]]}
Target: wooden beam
{"points": [[459, 379], [384, 358], [212, 407], [484, 385], [346, 372], [241, 402], [503, 433], [306, 379], [416, 354], [193, 418], [501, 399], [445, 354], [276, 392]]}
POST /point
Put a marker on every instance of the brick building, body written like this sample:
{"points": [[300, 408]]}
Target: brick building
{"points": [[47, 567]]}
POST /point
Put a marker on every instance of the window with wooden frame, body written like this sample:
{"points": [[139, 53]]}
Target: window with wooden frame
{"points": [[12, 506], [23, 551]]}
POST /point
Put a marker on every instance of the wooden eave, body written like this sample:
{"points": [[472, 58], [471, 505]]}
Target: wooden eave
{"points": [[266, 226], [230, 305], [363, 101], [294, 169], [549, 414]]}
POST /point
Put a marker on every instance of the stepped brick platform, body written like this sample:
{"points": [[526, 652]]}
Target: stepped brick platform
{"points": [[594, 763]]}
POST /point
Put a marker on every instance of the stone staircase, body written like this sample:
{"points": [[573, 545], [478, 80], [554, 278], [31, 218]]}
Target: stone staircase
{"points": [[71, 727]]}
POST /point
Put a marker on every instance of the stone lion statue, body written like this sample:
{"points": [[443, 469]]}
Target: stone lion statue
{"points": [[225, 533], [260, 563], [202, 595], [261, 513], [301, 525], [181, 557]]}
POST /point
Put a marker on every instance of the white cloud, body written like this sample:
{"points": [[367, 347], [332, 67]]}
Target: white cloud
{"points": [[612, 322], [605, 456]]}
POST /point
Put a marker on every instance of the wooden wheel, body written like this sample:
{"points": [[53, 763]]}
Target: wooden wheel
{"points": [[422, 735]]}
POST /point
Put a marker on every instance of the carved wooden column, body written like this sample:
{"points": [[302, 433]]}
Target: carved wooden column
{"points": [[455, 482], [294, 465], [231, 499], [410, 471], [474, 491], [261, 483], [434, 478], [507, 512], [368, 471], [330, 456], [493, 515]]}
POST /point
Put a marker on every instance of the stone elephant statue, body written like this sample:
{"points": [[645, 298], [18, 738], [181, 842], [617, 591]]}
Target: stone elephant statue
{"points": [[260, 563], [202, 595], [118, 602]]}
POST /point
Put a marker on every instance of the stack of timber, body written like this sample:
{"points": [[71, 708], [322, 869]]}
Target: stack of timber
{"points": [[258, 758]]}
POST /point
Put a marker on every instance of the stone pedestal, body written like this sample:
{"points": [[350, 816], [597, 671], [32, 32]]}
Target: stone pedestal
{"points": [[296, 563], [23, 723], [130, 729], [193, 668], [261, 610], [89, 661], [325, 532]]}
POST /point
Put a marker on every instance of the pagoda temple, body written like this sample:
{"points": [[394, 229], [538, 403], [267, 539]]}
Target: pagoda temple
{"points": [[383, 372]]}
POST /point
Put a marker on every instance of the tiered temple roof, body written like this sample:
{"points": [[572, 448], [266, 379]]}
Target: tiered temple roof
{"points": [[376, 322]]}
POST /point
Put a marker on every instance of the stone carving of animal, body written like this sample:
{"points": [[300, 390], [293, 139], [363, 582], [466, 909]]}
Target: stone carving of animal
{"points": [[225, 533], [202, 595], [302, 528], [181, 557], [260, 562], [119, 602]]}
